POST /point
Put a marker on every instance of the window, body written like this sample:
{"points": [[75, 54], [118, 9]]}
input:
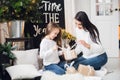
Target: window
{"points": [[103, 7]]}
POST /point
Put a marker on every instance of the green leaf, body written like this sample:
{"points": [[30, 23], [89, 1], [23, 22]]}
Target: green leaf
{"points": [[20, 10], [6, 48]]}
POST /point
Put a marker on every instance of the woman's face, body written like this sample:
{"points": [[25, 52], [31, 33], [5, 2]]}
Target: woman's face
{"points": [[78, 24], [54, 33]]}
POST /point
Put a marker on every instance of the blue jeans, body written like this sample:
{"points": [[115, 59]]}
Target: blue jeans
{"points": [[57, 68], [97, 62]]}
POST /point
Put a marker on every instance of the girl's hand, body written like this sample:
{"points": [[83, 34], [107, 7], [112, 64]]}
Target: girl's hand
{"points": [[84, 44]]}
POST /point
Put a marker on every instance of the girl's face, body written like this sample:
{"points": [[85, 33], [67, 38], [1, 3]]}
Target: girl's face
{"points": [[54, 33], [78, 24]]}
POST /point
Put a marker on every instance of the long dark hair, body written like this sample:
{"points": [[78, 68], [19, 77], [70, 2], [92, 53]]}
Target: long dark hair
{"points": [[50, 27], [87, 25]]}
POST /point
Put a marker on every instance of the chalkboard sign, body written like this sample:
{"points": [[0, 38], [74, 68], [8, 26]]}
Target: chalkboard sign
{"points": [[52, 11]]}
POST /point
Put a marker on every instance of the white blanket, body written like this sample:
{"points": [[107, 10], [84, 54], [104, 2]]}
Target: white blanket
{"points": [[48, 75]]}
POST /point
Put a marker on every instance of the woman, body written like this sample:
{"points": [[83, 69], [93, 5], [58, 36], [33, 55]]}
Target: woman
{"points": [[88, 42]]}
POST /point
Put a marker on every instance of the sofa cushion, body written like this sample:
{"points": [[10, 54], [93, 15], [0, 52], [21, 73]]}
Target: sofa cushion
{"points": [[27, 57], [26, 71]]}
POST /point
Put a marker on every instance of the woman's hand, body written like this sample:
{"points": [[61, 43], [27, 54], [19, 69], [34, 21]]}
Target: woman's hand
{"points": [[84, 44]]}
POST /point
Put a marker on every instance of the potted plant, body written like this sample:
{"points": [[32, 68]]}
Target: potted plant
{"points": [[17, 12], [5, 53], [20, 10]]}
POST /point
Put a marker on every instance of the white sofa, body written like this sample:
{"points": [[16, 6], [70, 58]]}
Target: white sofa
{"points": [[26, 65]]}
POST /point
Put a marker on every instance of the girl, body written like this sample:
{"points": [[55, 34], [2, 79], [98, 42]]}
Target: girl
{"points": [[88, 42], [49, 49]]}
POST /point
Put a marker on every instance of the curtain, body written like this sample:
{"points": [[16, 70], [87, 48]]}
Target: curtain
{"points": [[3, 32]]}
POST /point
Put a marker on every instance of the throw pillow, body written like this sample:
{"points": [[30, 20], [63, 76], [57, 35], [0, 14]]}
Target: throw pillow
{"points": [[22, 72], [27, 57]]}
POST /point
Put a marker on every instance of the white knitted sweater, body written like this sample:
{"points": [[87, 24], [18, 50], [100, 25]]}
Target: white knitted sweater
{"points": [[95, 49], [47, 53]]}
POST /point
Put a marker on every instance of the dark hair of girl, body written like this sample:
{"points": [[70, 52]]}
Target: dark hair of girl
{"points": [[50, 27], [87, 25]]}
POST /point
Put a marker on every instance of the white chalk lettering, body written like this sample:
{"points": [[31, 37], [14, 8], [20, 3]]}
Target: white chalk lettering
{"points": [[51, 6], [46, 17], [51, 17], [56, 18], [38, 30]]}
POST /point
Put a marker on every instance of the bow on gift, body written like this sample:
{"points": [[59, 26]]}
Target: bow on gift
{"points": [[69, 65]]}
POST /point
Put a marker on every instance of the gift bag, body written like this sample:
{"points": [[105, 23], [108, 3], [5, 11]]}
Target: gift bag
{"points": [[86, 70], [70, 69], [70, 54]]}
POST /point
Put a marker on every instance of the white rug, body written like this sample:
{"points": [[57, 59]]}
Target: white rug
{"points": [[48, 75]]}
